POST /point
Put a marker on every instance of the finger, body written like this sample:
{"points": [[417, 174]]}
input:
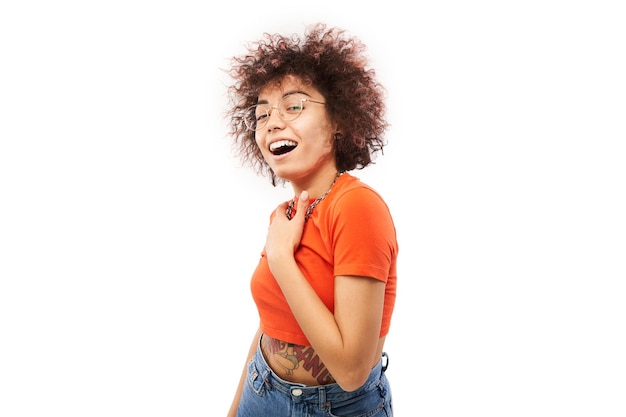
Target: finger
{"points": [[303, 204]]}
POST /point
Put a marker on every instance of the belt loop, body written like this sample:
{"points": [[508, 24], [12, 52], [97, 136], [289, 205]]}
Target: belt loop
{"points": [[385, 361], [321, 394]]}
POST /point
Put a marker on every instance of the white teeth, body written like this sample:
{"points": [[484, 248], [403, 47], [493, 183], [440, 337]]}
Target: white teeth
{"points": [[280, 143]]}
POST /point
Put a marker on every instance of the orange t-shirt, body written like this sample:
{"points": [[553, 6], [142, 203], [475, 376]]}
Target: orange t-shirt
{"points": [[350, 232]]}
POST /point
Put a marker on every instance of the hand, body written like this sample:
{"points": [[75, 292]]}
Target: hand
{"points": [[283, 235]]}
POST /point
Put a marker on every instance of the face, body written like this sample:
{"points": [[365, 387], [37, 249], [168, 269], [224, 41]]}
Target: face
{"points": [[299, 150]]}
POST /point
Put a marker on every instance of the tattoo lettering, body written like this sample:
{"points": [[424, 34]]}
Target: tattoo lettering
{"points": [[313, 364]]}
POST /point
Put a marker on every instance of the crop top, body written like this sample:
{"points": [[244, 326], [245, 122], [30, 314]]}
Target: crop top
{"points": [[350, 232]]}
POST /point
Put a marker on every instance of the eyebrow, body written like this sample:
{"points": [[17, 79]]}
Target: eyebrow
{"points": [[288, 93]]}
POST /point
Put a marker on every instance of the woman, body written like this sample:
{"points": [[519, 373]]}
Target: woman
{"points": [[307, 110]]}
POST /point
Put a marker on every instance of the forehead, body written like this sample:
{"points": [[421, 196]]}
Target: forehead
{"points": [[287, 84]]}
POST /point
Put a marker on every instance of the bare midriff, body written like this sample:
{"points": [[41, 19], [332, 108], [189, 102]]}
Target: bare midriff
{"points": [[301, 364]]}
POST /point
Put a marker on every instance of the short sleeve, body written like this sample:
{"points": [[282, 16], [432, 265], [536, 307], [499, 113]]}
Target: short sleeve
{"points": [[364, 236]]}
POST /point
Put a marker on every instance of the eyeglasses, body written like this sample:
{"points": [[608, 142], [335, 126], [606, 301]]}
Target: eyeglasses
{"points": [[289, 108]]}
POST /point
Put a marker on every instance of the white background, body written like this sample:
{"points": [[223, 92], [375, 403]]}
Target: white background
{"points": [[129, 230]]}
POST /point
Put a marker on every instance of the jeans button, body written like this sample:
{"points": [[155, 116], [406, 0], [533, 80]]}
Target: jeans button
{"points": [[296, 392]]}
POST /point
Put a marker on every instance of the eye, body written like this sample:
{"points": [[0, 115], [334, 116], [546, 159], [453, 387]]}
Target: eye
{"points": [[260, 113], [294, 108], [292, 104]]}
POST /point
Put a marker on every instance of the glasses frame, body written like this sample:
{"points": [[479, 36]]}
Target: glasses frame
{"points": [[269, 109]]}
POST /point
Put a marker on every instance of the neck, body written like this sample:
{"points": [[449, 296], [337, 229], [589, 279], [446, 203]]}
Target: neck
{"points": [[318, 185]]}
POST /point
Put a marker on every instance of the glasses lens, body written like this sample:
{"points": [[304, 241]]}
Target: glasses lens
{"points": [[291, 107]]}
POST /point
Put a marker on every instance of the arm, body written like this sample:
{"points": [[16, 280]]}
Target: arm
{"points": [[232, 412], [347, 340]]}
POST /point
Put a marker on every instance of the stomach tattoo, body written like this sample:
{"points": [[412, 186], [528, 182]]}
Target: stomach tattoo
{"points": [[291, 359]]}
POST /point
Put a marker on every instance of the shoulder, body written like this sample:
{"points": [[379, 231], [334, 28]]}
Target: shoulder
{"points": [[352, 192], [358, 215], [354, 201]]}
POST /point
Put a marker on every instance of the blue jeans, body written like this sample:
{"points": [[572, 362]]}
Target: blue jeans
{"points": [[266, 395]]}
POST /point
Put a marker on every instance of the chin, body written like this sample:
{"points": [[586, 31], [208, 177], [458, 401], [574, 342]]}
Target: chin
{"points": [[283, 174]]}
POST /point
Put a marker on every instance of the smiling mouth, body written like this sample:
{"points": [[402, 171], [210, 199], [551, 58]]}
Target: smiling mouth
{"points": [[282, 147]]}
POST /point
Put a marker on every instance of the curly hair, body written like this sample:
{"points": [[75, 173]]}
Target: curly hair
{"points": [[332, 62]]}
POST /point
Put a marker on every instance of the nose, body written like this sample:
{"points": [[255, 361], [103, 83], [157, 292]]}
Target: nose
{"points": [[274, 122]]}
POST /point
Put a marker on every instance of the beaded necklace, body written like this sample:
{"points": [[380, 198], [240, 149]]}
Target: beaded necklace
{"points": [[309, 210]]}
